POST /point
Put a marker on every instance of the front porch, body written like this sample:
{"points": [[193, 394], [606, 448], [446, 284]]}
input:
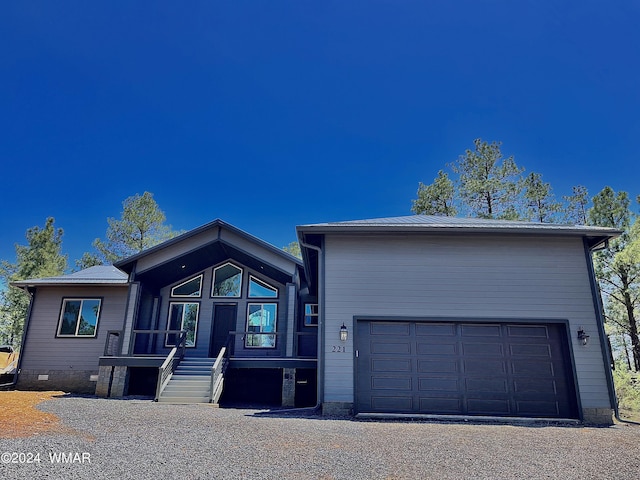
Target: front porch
{"points": [[182, 378]]}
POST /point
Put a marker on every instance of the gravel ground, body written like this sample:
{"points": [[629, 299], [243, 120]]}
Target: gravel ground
{"points": [[137, 438]]}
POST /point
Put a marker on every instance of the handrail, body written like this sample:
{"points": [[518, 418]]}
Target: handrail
{"points": [[170, 364], [217, 372]]}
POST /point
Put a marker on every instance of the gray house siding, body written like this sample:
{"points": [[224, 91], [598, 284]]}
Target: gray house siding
{"points": [[437, 277], [68, 362]]}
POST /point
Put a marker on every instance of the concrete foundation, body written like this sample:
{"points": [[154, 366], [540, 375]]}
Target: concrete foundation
{"points": [[340, 409], [72, 381], [598, 416]]}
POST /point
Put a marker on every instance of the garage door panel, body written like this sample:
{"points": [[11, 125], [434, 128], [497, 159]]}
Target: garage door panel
{"points": [[439, 385], [464, 368], [474, 330], [529, 350], [438, 365], [538, 409], [474, 385], [387, 328], [435, 329], [483, 349], [396, 348], [423, 348], [529, 385], [538, 369], [391, 365], [484, 367], [381, 403], [440, 405], [391, 383], [528, 331], [483, 406]]}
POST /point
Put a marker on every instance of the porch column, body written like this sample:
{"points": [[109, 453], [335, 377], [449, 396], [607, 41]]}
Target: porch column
{"points": [[288, 387], [132, 308], [104, 381], [120, 381]]}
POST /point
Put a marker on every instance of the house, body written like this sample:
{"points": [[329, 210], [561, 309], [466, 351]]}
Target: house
{"points": [[408, 315]]}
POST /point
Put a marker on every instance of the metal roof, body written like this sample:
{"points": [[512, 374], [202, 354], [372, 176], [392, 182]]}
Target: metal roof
{"points": [[435, 222], [98, 275], [595, 237]]}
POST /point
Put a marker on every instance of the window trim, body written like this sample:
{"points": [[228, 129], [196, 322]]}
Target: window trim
{"points": [[263, 284], [199, 295], [213, 280], [310, 315], [61, 315], [275, 327], [195, 330]]}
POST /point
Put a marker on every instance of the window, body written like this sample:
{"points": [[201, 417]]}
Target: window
{"points": [[79, 317], [260, 289], [261, 319], [182, 316], [190, 288], [311, 315], [227, 281]]}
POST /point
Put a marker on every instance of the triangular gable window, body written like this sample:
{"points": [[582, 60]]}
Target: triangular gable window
{"points": [[227, 281], [190, 288], [260, 289]]}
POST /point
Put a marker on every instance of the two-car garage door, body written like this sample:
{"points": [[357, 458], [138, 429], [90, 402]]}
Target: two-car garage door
{"points": [[503, 369]]}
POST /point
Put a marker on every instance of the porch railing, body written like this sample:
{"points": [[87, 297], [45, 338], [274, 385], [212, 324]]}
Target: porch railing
{"points": [[217, 372], [171, 363]]}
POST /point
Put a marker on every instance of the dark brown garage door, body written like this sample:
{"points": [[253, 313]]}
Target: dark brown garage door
{"points": [[464, 368]]}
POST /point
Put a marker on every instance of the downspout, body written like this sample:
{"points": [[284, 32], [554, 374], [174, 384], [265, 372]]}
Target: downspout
{"points": [[13, 383], [604, 346]]}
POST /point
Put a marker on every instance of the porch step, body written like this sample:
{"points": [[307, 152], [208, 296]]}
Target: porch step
{"points": [[190, 383]]}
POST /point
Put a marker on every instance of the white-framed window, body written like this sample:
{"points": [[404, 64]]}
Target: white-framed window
{"points": [[188, 288], [260, 289], [79, 317], [182, 316], [310, 314], [261, 319], [227, 281]]}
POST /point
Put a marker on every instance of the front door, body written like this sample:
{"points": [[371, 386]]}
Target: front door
{"points": [[224, 321]]}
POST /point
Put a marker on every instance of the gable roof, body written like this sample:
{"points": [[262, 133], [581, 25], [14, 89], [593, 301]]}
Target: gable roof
{"points": [[454, 225], [208, 245], [104, 275], [217, 223]]}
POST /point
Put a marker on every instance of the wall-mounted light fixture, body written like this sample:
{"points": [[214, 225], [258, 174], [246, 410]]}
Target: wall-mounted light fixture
{"points": [[582, 336], [344, 334]]}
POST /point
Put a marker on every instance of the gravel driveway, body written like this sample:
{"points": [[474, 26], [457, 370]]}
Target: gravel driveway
{"points": [[140, 439]]}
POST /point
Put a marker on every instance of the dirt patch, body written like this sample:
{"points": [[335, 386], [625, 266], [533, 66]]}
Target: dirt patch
{"points": [[20, 418]]}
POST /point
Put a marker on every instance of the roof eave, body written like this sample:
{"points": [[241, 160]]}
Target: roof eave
{"points": [[599, 235]]}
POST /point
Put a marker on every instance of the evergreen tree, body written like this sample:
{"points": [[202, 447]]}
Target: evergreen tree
{"points": [[437, 198], [141, 226], [294, 249], [489, 184], [540, 203], [617, 268], [576, 208], [41, 257]]}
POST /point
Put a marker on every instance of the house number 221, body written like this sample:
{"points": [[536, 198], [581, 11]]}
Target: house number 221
{"points": [[339, 349]]}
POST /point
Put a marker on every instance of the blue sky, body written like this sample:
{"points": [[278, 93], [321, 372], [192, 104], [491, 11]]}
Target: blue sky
{"points": [[270, 114]]}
